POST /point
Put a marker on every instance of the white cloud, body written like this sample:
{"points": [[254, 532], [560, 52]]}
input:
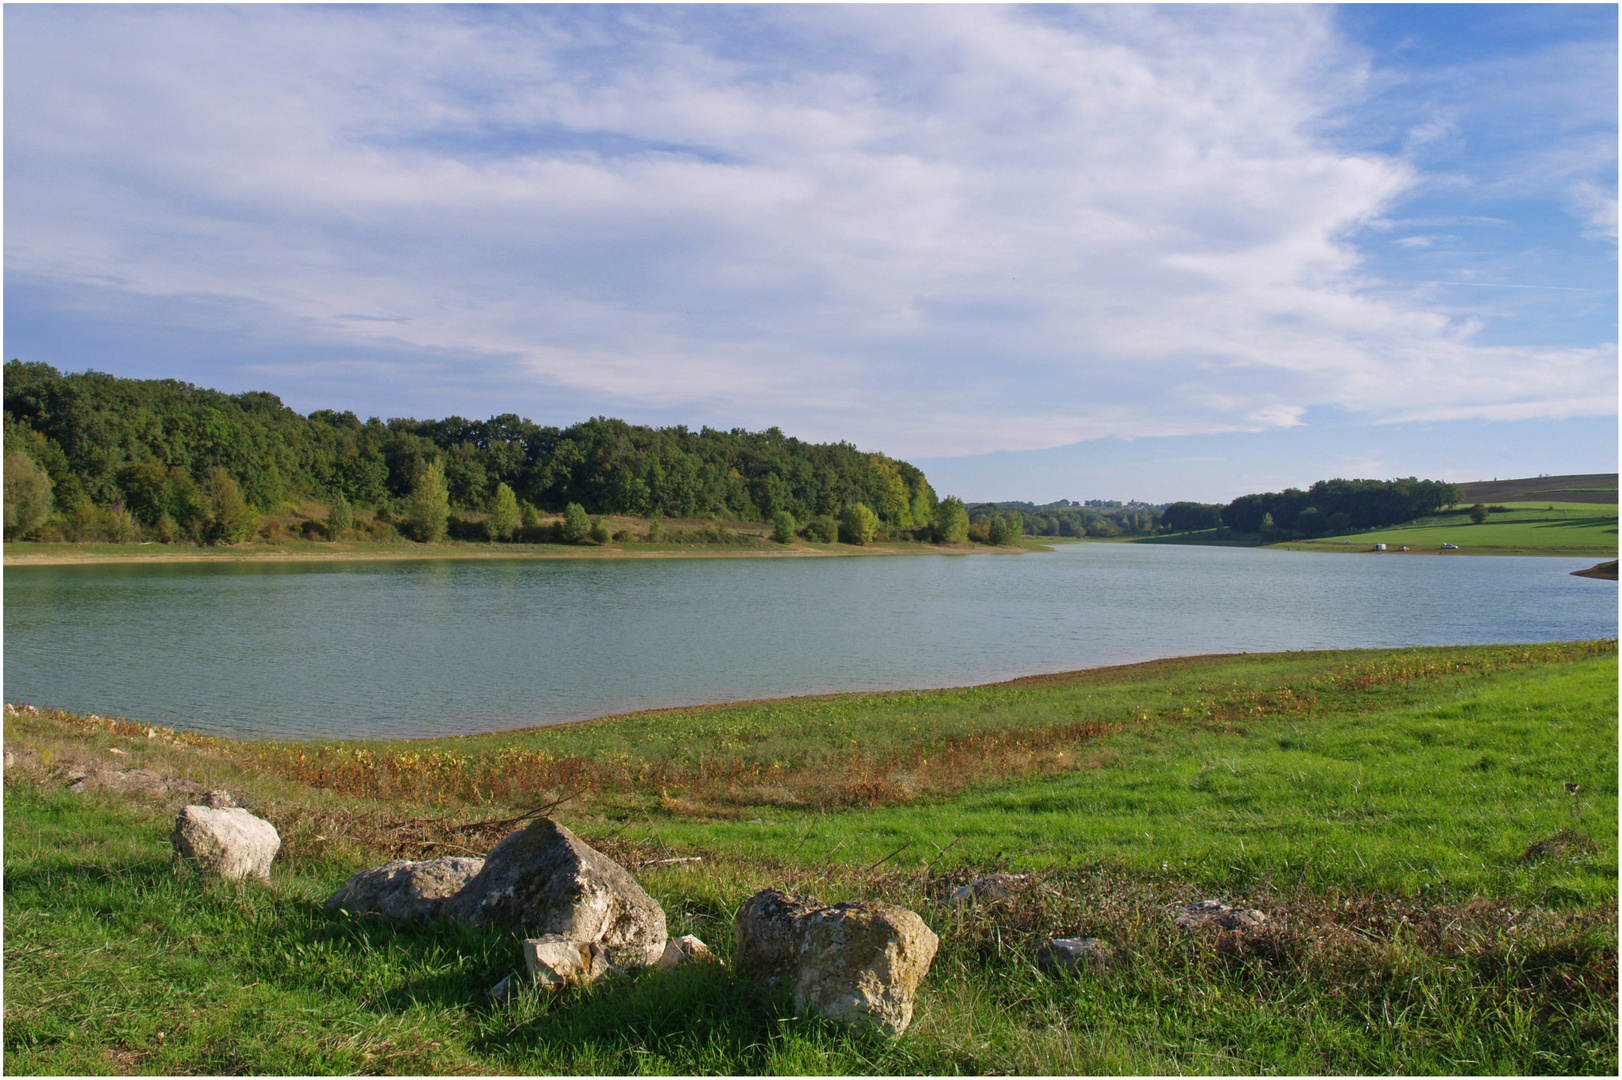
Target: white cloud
{"points": [[932, 230]]}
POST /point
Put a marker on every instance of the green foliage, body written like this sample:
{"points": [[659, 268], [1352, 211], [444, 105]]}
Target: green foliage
{"points": [[823, 529], [1190, 516], [229, 520], [951, 521], [504, 514], [531, 516], [428, 512], [783, 527], [27, 495], [1311, 522], [1267, 527], [576, 525], [598, 533], [1004, 529], [1478, 514], [857, 524], [84, 428], [1366, 503], [340, 517]]}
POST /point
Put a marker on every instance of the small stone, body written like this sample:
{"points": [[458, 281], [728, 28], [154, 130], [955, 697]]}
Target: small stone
{"points": [[990, 887], [1214, 914], [503, 989], [406, 891], [556, 962], [1071, 954], [116, 750], [232, 843], [219, 800], [683, 950]]}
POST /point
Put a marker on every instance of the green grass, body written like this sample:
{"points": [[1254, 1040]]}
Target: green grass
{"points": [[1391, 809], [1578, 529]]}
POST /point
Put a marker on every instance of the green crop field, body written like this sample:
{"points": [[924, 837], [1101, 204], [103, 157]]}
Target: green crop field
{"points": [[1437, 901]]}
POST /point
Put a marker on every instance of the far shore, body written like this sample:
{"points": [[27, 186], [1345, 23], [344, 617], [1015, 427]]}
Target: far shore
{"points": [[24, 554]]}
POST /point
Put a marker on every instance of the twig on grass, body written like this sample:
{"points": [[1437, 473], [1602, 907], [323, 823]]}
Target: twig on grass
{"points": [[888, 857]]}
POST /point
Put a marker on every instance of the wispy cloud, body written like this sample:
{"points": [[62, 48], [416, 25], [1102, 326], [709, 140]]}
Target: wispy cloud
{"points": [[935, 230]]}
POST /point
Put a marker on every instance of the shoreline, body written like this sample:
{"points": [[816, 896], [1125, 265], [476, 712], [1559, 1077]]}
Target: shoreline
{"points": [[419, 553]]}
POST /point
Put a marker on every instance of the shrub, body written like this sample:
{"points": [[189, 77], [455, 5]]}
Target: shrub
{"points": [[529, 516], [576, 525], [27, 496], [783, 527], [857, 523], [599, 532], [1478, 513], [340, 517], [430, 507], [823, 529], [951, 521], [229, 520], [504, 514], [314, 530]]}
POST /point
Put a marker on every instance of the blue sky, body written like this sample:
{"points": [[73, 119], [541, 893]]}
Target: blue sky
{"points": [[1042, 252]]}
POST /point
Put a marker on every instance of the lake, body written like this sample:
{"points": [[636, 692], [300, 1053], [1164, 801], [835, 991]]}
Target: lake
{"points": [[392, 649]]}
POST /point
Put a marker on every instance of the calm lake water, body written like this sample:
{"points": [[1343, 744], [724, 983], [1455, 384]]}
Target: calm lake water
{"points": [[393, 649]]}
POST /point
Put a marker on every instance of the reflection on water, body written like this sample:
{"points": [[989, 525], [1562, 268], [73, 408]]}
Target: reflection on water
{"points": [[437, 647]]}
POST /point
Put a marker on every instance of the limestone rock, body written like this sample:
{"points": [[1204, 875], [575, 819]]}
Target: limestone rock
{"points": [[555, 961], [683, 950], [406, 891], [768, 932], [1214, 914], [1072, 954], [544, 881], [990, 887], [856, 963], [232, 842]]}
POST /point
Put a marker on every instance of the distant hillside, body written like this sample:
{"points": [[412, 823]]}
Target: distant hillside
{"points": [[1584, 488]]}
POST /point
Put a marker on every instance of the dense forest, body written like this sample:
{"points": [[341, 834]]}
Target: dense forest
{"points": [[166, 457]]}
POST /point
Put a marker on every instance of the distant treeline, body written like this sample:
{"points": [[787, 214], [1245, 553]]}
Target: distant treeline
{"points": [[156, 448], [1327, 506], [1096, 518]]}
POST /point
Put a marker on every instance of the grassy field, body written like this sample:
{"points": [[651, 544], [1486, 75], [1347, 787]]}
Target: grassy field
{"points": [[1579, 530], [1438, 902]]}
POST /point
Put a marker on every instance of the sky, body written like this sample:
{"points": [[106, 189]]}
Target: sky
{"points": [[1118, 251]]}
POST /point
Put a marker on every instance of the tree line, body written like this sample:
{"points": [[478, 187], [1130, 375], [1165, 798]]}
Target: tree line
{"points": [[1329, 506], [160, 455]]}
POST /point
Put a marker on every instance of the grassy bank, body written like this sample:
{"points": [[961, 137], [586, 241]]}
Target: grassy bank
{"points": [[1580, 530], [1438, 902]]}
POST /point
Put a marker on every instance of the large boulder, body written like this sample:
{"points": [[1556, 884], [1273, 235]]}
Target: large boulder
{"points": [[544, 881], [229, 842], [768, 929], [856, 963], [406, 891]]}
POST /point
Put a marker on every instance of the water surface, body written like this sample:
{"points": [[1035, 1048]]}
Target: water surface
{"points": [[389, 649]]}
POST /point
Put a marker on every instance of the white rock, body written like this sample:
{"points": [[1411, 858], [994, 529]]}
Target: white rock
{"points": [[229, 842], [683, 950], [1069, 954], [555, 961]]}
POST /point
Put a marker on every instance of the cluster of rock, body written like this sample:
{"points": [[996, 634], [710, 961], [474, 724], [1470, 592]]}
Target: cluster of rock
{"points": [[584, 918]]}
